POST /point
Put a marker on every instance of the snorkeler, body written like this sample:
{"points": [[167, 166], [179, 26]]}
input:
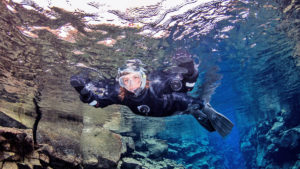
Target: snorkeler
{"points": [[158, 94]]}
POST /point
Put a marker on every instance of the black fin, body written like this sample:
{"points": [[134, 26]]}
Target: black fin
{"points": [[222, 124], [219, 122], [203, 121]]}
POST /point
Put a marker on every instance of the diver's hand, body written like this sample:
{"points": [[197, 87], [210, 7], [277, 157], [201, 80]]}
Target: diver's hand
{"points": [[83, 87], [86, 96], [78, 82]]}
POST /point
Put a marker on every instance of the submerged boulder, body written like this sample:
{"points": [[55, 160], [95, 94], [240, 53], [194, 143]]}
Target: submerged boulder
{"points": [[275, 144], [156, 148], [290, 138], [141, 163], [18, 151], [17, 141], [99, 145], [101, 148]]}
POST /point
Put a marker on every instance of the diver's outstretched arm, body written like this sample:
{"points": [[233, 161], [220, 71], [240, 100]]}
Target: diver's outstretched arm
{"points": [[87, 95]]}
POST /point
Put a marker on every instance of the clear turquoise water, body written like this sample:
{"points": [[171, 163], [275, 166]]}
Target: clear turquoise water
{"points": [[258, 59]]}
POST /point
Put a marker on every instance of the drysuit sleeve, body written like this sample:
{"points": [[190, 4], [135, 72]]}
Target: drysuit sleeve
{"points": [[93, 99], [97, 94], [180, 102]]}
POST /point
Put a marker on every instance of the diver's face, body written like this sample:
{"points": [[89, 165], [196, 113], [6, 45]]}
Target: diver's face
{"points": [[132, 81]]}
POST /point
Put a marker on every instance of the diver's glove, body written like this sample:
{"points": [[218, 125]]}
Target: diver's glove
{"points": [[80, 83]]}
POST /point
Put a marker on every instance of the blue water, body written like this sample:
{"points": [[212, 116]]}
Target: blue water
{"points": [[259, 74], [258, 60], [187, 131]]}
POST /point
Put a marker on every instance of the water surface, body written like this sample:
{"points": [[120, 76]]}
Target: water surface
{"points": [[253, 44]]}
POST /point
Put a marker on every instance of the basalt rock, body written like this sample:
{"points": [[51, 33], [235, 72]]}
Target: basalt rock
{"points": [[17, 151], [156, 148], [17, 142], [146, 163], [195, 154], [38, 68], [275, 144]]}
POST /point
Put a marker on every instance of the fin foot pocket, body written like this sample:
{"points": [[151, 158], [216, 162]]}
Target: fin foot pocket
{"points": [[203, 121], [219, 122]]}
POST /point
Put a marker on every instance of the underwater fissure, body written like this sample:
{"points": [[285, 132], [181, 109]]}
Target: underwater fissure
{"points": [[252, 45]]}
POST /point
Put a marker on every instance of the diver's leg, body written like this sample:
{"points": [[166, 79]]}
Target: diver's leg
{"points": [[218, 121]]}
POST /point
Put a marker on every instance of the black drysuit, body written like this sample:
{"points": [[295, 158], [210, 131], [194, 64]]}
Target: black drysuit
{"points": [[165, 96]]}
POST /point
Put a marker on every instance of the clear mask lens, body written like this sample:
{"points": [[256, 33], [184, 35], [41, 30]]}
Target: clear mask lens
{"points": [[132, 80], [129, 81], [124, 81]]}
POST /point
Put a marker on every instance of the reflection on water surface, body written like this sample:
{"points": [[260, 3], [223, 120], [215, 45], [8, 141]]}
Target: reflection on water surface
{"points": [[255, 45]]}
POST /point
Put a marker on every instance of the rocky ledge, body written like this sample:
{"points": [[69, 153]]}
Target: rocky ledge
{"points": [[273, 144], [17, 151]]}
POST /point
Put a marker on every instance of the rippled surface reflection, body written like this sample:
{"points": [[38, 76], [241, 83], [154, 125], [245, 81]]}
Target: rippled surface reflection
{"points": [[254, 44]]}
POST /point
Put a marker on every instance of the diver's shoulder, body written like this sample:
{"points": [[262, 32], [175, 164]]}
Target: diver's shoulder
{"points": [[157, 79], [157, 75]]}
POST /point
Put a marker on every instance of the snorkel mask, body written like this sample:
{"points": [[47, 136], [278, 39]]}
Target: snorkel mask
{"points": [[134, 67]]}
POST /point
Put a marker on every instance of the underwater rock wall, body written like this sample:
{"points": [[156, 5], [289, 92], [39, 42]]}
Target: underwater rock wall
{"points": [[195, 154], [273, 93], [36, 64], [272, 144], [34, 85], [259, 62], [260, 57], [19, 66], [22, 85], [17, 150], [142, 147]]}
